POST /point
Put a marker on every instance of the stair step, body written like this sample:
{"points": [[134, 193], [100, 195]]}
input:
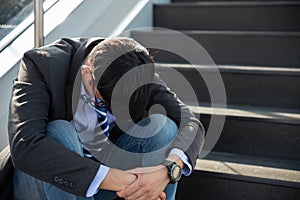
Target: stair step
{"points": [[289, 165], [250, 113], [218, 186], [244, 85], [185, 1], [255, 131], [237, 167], [229, 47], [229, 15], [226, 176]]}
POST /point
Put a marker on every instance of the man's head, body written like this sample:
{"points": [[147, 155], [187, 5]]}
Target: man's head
{"points": [[115, 57]]}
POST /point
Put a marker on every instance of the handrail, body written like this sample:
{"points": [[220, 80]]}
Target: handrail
{"points": [[38, 23], [21, 28]]}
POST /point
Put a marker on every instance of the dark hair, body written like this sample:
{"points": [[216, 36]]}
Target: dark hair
{"points": [[141, 67]]}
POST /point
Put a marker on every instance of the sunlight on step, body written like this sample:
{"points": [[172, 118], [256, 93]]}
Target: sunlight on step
{"points": [[249, 113], [248, 170]]}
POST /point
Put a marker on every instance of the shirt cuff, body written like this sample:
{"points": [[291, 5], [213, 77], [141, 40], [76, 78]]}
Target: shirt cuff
{"points": [[188, 169], [94, 187]]}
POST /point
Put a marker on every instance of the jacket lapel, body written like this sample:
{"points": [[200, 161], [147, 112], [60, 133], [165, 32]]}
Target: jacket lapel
{"points": [[72, 89]]}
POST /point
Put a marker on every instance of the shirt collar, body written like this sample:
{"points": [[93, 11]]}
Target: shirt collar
{"points": [[85, 94]]}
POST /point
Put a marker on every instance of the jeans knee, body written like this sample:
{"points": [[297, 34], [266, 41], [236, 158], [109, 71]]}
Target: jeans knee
{"points": [[166, 123], [64, 133], [163, 132]]}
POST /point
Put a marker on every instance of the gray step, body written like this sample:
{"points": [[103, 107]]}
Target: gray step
{"points": [[185, 1], [280, 169], [204, 185], [232, 176], [259, 167], [230, 47], [255, 131], [229, 15], [244, 85], [233, 179]]}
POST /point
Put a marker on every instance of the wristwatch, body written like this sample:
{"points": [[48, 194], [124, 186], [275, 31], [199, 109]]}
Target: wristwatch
{"points": [[174, 171]]}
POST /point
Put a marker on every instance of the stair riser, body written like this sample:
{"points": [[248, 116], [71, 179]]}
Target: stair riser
{"points": [[228, 17], [252, 89], [207, 187], [255, 137], [234, 49]]}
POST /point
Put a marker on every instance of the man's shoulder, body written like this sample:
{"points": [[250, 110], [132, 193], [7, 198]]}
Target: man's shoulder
{"points": [[59, 52], [64, 47]]}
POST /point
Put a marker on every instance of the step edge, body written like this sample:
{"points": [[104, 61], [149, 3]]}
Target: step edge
{"points": [[239, 69], [228, 4], [248, 170], [248, 179], [253, 160], [247, 113], [162, 30]]}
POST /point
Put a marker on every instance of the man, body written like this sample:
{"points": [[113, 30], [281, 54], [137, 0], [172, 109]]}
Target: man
{"points": [[82, 124]]}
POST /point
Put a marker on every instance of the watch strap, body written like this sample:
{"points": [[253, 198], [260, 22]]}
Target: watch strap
{"points": [[167, 163]]}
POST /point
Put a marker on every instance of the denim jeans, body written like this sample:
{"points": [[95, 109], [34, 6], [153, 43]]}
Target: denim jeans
{"points": [[27, 187]]}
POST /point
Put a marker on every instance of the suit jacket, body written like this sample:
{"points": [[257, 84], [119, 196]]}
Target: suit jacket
{"points": [[6, 174], [43, 92]]}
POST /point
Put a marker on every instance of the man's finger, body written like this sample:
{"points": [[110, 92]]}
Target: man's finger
{"points": [[162, 196], [134, 187]]}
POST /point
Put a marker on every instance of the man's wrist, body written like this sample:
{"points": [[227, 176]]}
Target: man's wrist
{"points": [[176, 158], [117, 180], [165, 172], [128, 179]]}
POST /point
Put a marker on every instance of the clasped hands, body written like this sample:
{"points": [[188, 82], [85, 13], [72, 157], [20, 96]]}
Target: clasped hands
{"points": [[148, 184]]}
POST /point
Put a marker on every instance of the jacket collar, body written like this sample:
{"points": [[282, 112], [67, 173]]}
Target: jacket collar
{"points": [[72, 89]]}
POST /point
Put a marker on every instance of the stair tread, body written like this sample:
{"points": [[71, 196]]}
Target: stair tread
{"points": [[232, 3], [252, 15], [260, 167], [185, 1], [244, 85], [243, 32], [221, 32], [232, 68], [254, 160], [279, 115], [228, 47]]}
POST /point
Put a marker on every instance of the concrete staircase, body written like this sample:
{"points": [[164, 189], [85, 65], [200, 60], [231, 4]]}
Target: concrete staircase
{"points": [[256, 45]]}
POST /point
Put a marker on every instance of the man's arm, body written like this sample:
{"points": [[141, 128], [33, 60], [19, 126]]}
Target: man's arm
{"points": [[33, 152], [153, 180], [190, 137], [117, 180]]}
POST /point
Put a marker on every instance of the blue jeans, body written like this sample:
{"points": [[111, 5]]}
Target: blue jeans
{"points": [[27, 187]]}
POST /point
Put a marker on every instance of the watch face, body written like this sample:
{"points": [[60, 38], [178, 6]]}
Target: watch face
{"points": [[176, 172]]}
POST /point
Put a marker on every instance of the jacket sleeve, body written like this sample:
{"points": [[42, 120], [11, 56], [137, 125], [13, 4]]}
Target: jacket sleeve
{"points": [[33, 152], [190, 137]]}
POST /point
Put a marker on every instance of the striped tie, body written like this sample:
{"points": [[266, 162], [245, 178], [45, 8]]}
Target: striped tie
{"points": [[102, 116], [101, 131]]}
